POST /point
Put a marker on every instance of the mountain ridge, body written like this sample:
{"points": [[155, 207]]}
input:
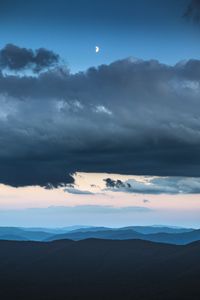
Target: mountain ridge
{"points": [[99, 269]]}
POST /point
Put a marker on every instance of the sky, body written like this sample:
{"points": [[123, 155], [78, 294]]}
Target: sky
{"points": [[144, 29], [109, 138]]}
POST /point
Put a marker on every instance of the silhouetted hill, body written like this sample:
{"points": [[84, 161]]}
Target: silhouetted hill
{"points": [[128, 233], [99, 269]]}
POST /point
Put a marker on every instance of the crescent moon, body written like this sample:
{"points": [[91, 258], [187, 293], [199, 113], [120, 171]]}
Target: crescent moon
{"points": [[97, 49]]}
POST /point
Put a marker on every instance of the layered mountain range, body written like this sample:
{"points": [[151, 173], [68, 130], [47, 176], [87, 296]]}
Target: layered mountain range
{"points": [[161, 234]]}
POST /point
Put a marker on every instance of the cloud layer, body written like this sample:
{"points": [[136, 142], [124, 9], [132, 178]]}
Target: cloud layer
{"points": [[132, 116], [162, 185], [14, 58]]}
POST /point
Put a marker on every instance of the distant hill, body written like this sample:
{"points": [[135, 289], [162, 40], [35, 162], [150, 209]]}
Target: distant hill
{"points": [[99, 234], [128, 233], [99, 269], [13, 237], [14, 233], [56, 230], [174, 238], [179, 236], [157, 229], [140, 229]]}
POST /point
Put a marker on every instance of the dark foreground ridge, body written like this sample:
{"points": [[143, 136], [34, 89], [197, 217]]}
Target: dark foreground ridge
{"points": [[99, 269]]}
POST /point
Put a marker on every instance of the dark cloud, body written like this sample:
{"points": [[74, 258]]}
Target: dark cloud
{"points": [[193, 11], [15, 58], [132, 117], [110, 183]]}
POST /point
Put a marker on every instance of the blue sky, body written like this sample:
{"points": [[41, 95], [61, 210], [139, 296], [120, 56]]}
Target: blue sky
{"points": [[144, 29]]}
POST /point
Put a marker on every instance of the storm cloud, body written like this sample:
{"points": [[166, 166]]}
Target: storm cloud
{"points": [[130, 117], [15, 58]]}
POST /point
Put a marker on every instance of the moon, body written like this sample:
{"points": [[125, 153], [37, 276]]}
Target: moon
{"points": [[97, 49]]}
